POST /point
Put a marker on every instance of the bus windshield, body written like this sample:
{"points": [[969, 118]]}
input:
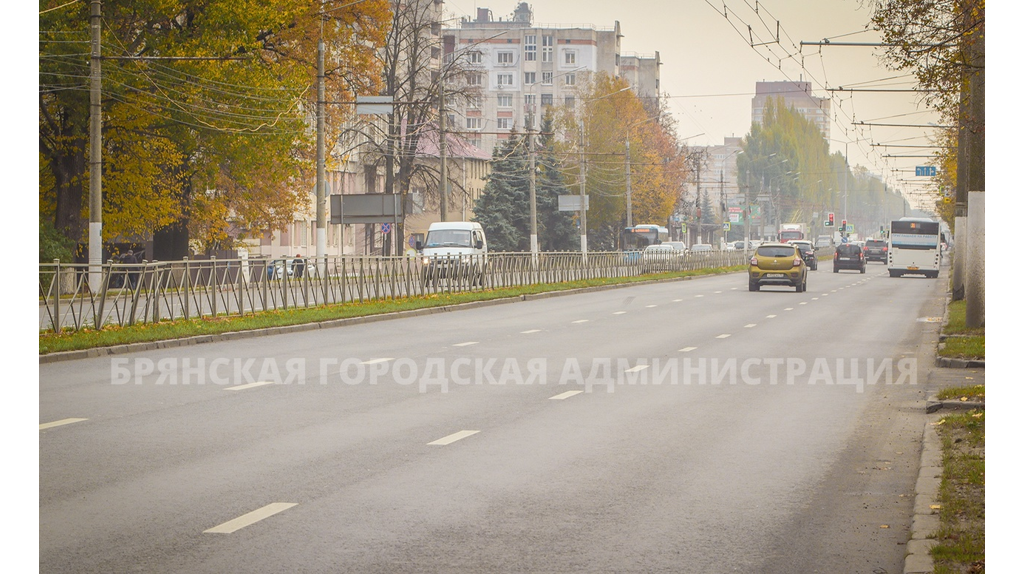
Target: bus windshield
{"points": [[638, 237]]}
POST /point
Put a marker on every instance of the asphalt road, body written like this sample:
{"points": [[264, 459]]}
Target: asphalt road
{"points": [[566, 434]]}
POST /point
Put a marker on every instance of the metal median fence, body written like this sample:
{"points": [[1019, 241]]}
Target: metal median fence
{"points": [[148, 292]]}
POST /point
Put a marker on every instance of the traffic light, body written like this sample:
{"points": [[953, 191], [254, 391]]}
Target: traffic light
{"points": [[831, 220], [842, 228]]}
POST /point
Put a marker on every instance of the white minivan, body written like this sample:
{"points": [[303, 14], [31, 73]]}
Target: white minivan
{"points": [[454, 250]]}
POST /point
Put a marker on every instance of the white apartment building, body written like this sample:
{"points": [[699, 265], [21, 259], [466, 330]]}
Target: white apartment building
{"points": [[519, 67], [797, 95]]}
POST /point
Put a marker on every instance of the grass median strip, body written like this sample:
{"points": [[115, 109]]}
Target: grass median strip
{"points": [[108, 336], [961, 535]]}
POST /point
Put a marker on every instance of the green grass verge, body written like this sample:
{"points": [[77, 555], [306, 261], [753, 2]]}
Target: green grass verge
{"points": [[166, 330], [961, 534], [963, 347], [974, 394], [957, 320]]}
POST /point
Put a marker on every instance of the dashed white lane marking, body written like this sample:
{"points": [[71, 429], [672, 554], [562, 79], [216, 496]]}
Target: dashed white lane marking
{"points": [[734, 288], [636, 369], [453, 437], [649, 306], [803, 302], [380, 360], [824, 294], [698, 295], [60, 423], [771, 316], [814, 298], [250, 518], [676, 300], [717, 291], [565, 395], [619, 313], [722, 336], [749, 325], [530, 331], [581, 321], [466, 344], [248, 386], [788, 309], [686, 349]]}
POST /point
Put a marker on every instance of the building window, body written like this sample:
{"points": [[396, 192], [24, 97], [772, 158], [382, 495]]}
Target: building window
{"points": [[570, 101], [547, 77], [504, 123], [504, 100], [473, 123], [530, 99], [505, 58], [570, 79], [530, 48], [476, 58], [504, 79], [570, 57], [548, 50], [529, 78], [474, 78], [473, 100], [546, 99]]}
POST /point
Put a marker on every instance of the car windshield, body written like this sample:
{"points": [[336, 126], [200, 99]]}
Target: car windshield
{"points": [[449, 238], [775, 251], [848, 249]]}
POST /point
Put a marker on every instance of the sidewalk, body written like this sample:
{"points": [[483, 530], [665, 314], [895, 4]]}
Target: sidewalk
{"points": [[946, 373]]}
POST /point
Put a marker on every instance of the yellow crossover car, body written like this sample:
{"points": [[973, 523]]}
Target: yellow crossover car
{"points": [[777, 264]]}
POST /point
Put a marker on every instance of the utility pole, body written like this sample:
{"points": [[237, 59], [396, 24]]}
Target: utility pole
{"points": [[629, 190], [583, 192], [533, 189], [441, 145], [321, 178], [95, 151]]}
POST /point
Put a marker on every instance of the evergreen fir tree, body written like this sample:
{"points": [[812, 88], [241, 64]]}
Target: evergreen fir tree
{"points": [[503, 209]]}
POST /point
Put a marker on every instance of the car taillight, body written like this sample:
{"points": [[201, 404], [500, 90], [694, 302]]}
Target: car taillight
{"points": [[885, 249], [753, 261], [797, 262]]}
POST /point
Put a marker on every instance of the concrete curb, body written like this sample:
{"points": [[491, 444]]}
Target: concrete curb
{"points": [[935, 404], [950, 363], [926, 518], [237, 335]]}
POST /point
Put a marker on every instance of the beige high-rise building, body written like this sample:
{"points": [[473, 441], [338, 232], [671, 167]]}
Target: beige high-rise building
{"points": [[518, 68], [797, 95]]}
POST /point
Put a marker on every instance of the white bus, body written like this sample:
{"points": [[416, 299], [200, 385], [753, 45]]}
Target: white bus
{"points": [[914, 247]]}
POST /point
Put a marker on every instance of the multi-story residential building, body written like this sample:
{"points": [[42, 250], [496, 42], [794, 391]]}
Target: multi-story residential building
{"points": [[519, 68], [797, 95], [643, 72]]}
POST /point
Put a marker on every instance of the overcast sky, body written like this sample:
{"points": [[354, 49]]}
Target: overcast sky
{"points": [[710, 69]]}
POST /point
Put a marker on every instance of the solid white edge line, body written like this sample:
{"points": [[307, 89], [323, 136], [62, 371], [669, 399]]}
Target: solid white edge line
{"points": [[60, 423], [250, 518], [565, 395], [248, 386], [453, 437]]}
